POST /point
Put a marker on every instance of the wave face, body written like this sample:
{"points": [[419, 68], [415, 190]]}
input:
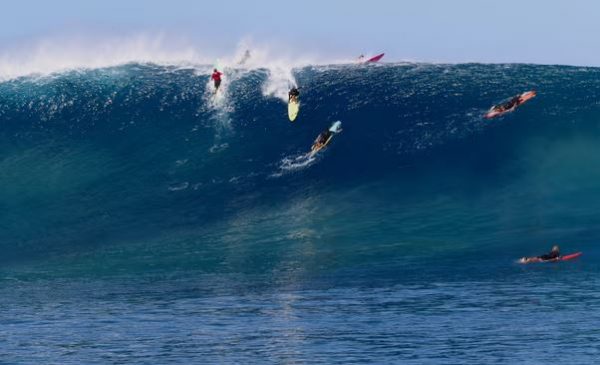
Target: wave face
{"points": [[143, 218], [137, 168]]}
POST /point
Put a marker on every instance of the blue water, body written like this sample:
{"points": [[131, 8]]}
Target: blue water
{"points": [[144, 222]]}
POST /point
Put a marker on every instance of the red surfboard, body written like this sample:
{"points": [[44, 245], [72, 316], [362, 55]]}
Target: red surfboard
{"points": [[375, 58], [496, 111], [570, 256], [531, 260]]}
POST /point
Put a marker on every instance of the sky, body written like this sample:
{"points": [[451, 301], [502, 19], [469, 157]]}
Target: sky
{"points": [[532, 31]]}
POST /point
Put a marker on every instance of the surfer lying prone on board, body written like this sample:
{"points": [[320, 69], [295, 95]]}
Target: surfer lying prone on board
{"points": [[512, 103], [324, 137], [553, 255], [321, 140]]}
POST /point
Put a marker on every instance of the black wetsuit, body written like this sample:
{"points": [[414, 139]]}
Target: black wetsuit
{"points": [[294, 93], [323, 137], [512, 103], [550, 256]]}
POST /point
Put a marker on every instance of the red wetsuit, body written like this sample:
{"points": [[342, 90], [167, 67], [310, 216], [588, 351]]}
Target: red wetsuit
{"points": [[216, 76]]}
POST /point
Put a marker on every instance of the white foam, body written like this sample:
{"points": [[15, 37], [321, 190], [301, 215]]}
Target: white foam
{"points": [[61, 54], [290, 164], [277, 60], [64, 54], [57, 54]]}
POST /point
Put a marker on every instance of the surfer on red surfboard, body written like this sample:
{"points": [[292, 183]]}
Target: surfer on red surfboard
{"points": [[510, 105], [552, 256], [362, 58]]}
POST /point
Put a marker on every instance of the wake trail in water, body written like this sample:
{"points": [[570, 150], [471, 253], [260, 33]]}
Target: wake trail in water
{"points": [[294, 163]]}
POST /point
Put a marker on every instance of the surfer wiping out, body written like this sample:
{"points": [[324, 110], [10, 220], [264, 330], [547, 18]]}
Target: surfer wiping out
{"points": [[363, 59], [216, 77], [245, 58]]}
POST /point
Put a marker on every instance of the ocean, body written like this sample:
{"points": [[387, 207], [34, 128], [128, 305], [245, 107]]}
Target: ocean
{"points": [[145, 221]]}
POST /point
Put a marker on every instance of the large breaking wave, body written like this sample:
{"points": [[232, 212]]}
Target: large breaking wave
{"points": [[137, 167]]}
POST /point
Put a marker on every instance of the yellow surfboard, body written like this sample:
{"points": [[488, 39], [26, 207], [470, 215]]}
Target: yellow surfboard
{"points": [[293, 109]]}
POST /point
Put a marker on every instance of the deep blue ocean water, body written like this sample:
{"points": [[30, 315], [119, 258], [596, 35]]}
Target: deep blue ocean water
{"points": [[143, 222]]}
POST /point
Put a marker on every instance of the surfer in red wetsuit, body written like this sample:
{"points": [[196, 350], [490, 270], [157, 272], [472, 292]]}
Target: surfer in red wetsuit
{"points": [[216, 77]]}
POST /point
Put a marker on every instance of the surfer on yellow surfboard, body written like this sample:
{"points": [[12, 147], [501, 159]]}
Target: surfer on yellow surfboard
{"points": [[293, 103]]}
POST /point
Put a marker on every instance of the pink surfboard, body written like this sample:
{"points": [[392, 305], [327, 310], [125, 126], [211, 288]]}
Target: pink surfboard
{"points": [[493, 112], [531, 260], [376, 58]]}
